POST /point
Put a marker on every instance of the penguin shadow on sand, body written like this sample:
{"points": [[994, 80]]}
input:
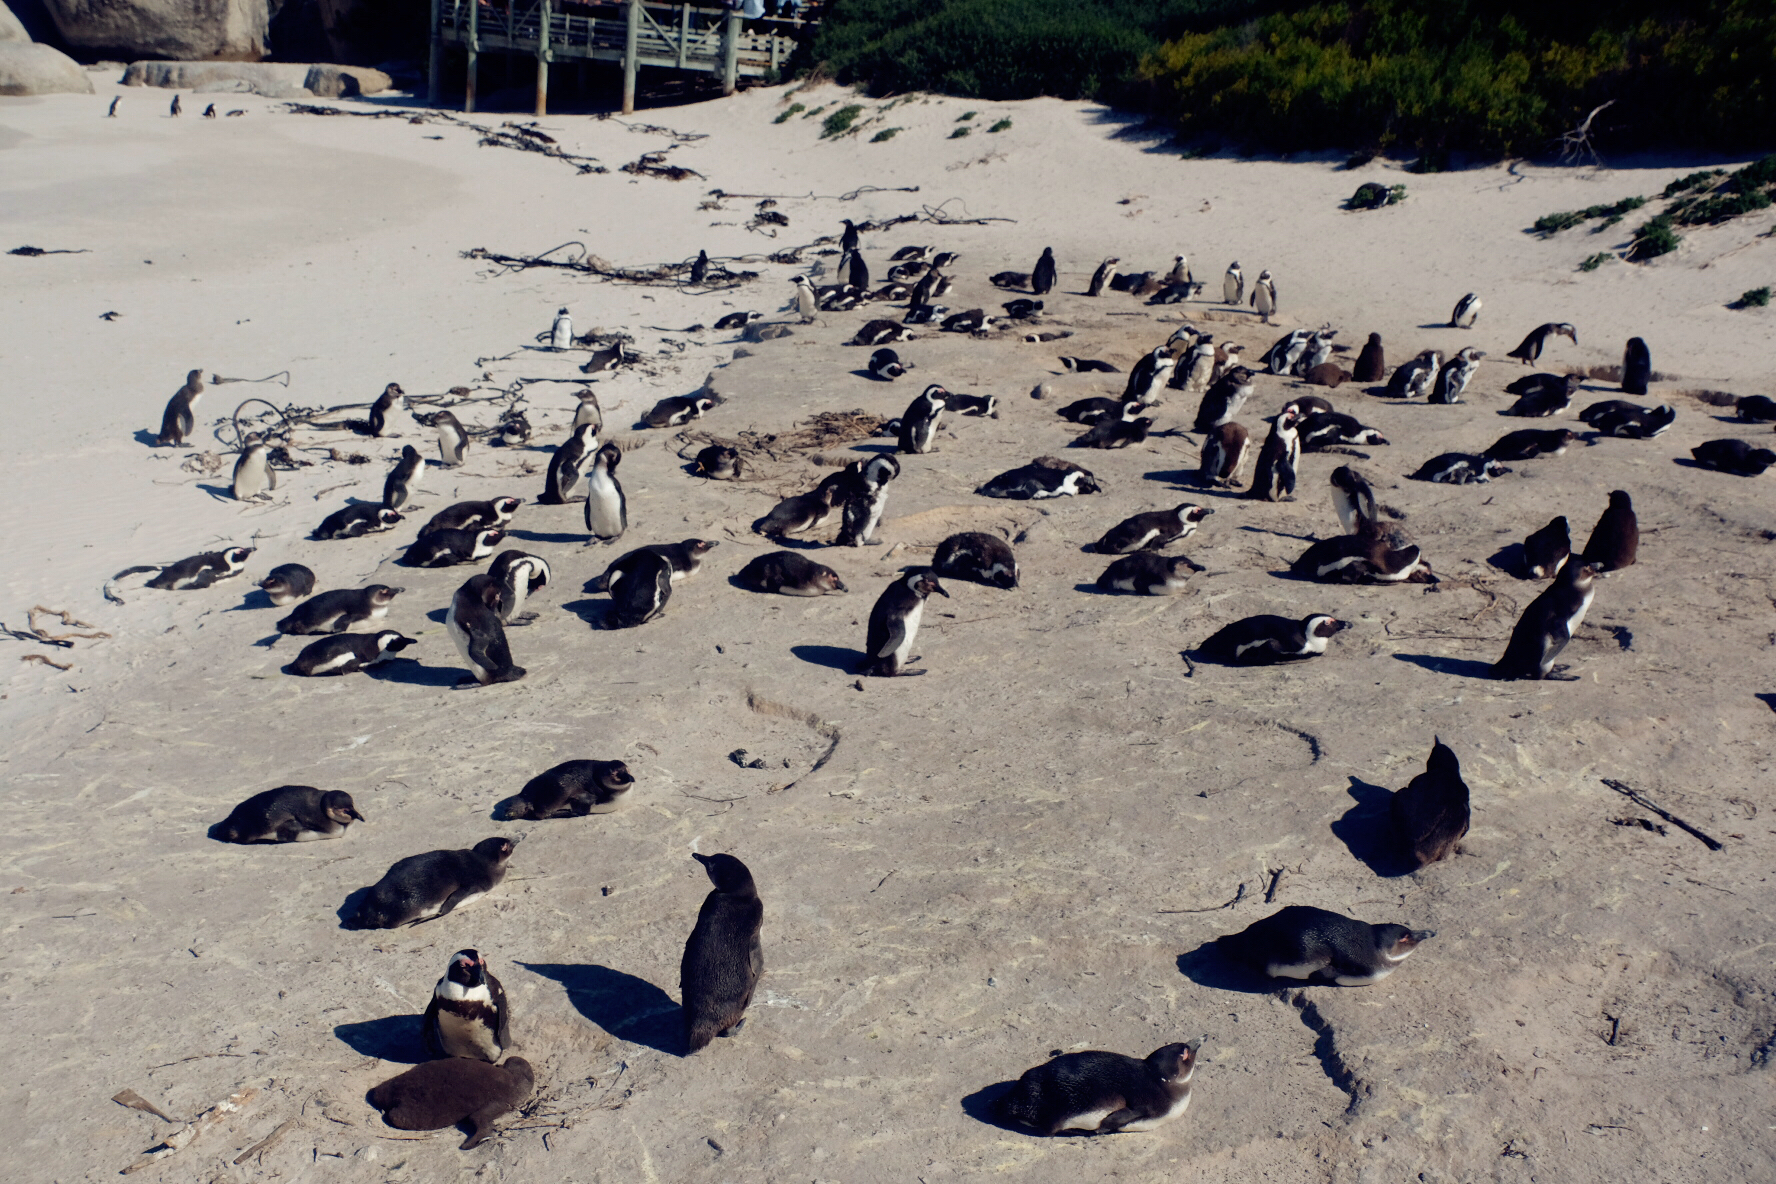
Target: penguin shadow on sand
{"points": [[833, 657], [627, 1007], [1510, 560], [1768, 700], [347, 912], [1460, 667], [393, 1038], [414, 673], [539, 536], [1209, 966], [1191, 480], [1366, 830], [592, 610], [253, 601], [983, 1106]]}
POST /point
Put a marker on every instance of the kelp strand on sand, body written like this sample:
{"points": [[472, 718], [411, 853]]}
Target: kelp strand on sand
{"points": [[523, 137]]}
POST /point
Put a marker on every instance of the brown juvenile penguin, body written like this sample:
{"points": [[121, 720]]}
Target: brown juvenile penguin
{"points": [[1431, 814], [723, 959], [1371, 363], [179, 419], [438, 1094]]}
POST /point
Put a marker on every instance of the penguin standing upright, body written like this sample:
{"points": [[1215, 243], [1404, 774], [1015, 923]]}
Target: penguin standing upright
{"points": [[111, 111], [1353, 500], [1430, 815], [398, 486], [1101, 278], [1042, 277], [1149, 376], [564, 466], [1233, 285], [1102, 1092], [385, 402], [474, 624], [700, 269], [866, 498], [253, 474], [894, 623], [807, 304], [1302, 942], [1371, 363], [468, 1015], [1193, 373], [1223, 454], [1637, 366], [519, 575], [848, 240], [723, 958], [453, 442], [1467, 311], [1453, 379], [177, 108], [857, 272], [1548, 623], [180, 416], [1274, 478], [210, 111], [588, 412], [607, 510], [1615, 540], [918, 424], [561, 334], [1224, 399], [1264, 296]]}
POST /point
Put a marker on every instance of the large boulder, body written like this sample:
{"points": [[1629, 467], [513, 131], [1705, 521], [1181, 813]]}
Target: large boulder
{"points": [[220, 30], [11, 28], [274, 80], [27, 68]]}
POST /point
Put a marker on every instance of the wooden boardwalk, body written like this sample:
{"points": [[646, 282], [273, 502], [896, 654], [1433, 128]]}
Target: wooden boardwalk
{"points": [[631, 33]]}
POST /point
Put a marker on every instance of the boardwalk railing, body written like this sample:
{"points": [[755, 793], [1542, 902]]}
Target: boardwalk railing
{"points": [[633, 33]]}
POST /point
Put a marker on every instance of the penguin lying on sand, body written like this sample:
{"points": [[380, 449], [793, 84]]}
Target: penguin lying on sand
{"points": [[1102, 1092], [1302, 942], [289, 814], [421, 887]]}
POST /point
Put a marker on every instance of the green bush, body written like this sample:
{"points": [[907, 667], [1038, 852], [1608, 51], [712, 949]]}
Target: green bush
{"points": [[1002, 125], [1693, 181], [840, 121], [1372, 195], [966, 116], [1654, 238], [1756, 298], [1552, 224], [960, 132], [1596, 261], [887, 133], [790, 111]]}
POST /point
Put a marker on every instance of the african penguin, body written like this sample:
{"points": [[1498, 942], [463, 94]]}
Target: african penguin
{"points": [[865, 495], [1102, 1092], [447, 548], [919, 423], [473, 515], [1546, 549], [639, 590], [289, 814], [1224, 399], [1303, 942], [453, 442], [355, 521], [561, 333], [1637, 367], [1453, 379], [201, 571], [432, 884], [180, 418], [1430, 815], [1615, 540], [1101, 278], [444, 1093], [1266, 640], [1233, 285], [1529, 443], [1353, 499], [1148, 574], [565, 465], [1372, 362], [1414, 379], [253, 475], [977, 557], [1618, 417], [607, 509], [397, 487], [1045, 477], [1738, 457], [1548, 624], [474, 625], [805, 511], [1042, 276], [1459, 468], [1114, 433], [684, 559], [677, 411], [1151, 531], [519, 575], [723, 958], [1223, 454], [1467, 311], [348, 653], [339, 610], [1530, 351], [1273, 479], [588, 412], [894, 623], [287, 583], [789, 574], [573, 789], [468, 1015]]}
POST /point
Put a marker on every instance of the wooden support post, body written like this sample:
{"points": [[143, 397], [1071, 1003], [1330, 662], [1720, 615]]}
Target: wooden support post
{"points": [[474, 55], [435, 63], [630, 37], [684, 33], [542, 96], [731, 53]]}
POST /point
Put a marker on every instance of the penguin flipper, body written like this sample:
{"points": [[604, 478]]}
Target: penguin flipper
{"points": [[1117, 1119], [428, 1031], [503, 1031], [481, 1124]]}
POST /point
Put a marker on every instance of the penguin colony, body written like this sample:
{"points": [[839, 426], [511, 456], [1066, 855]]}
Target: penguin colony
{"points": [[469, 1028]]}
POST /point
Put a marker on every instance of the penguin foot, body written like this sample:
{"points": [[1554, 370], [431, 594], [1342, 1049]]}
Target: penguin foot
{"points": [[1558, 674], [521, 619], [734, 1029], [469, 681]]}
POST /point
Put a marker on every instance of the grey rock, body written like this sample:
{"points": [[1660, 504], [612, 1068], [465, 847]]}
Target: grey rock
{"points": [[231, 30], [11, 28], [342, 82], [272, 79], [27, 68]]}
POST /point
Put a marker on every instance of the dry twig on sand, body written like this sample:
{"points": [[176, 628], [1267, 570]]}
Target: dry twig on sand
{"points": [[1644, 803]]}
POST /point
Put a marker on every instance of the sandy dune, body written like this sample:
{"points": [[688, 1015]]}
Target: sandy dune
{"points": [[1025, 849]]}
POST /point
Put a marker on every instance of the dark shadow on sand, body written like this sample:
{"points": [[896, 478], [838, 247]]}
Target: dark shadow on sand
{"points": [[627, 1007], [258, 598], [593, 612], [393, 1038], [833, 657], [1366, 830], [1509, 559], [537, 536], [982, 1106], [1460, 667], [348, 910], [1208, 966], [411, 672]]}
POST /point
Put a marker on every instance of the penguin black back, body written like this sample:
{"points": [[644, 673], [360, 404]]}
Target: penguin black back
{"points": [[723, 958], [1615, 540], [429, 885], [438, 1094], [1371, 363], [398, 487], [1548, 623], [789, 574], [639, 589], [1103, 1092], [1042, 277], [474, 625], [287, 583], [1637, 367], [1546, 549], [1430, 815], [379, 410]]}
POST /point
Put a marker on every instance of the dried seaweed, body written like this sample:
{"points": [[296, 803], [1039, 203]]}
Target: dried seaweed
{"points": [[662, 275], [653, 164], [523, 137]]}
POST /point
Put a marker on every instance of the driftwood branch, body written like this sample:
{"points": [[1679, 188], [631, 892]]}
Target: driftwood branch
{"points": [[523, 137], [1576, 144], [1644, 803]]}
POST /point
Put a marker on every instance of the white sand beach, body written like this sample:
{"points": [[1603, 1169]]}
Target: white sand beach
{"points": [[1026, 849]]}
